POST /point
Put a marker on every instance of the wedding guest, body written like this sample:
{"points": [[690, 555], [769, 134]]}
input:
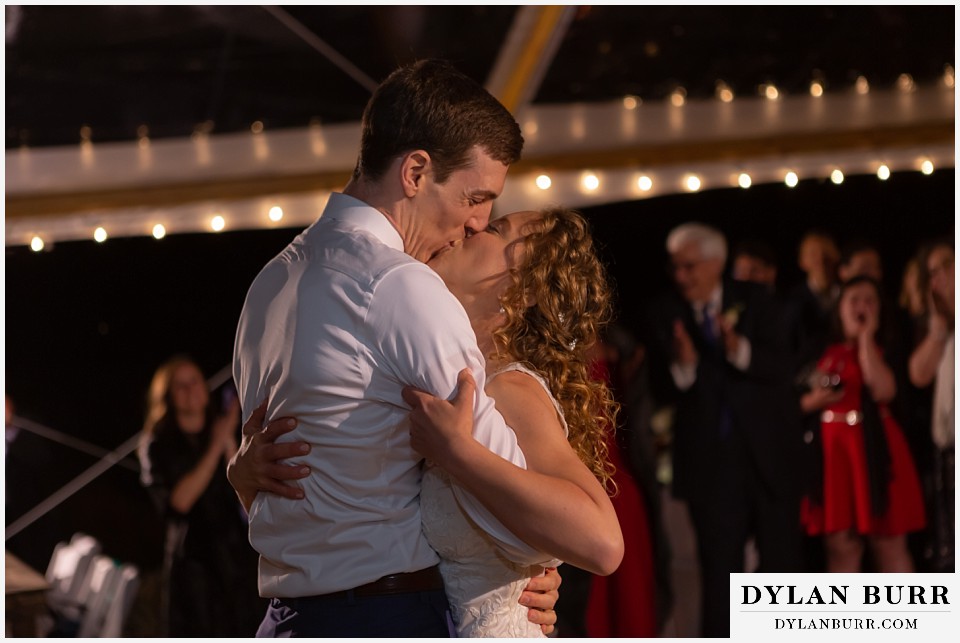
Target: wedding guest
{"points": [[210, 571], [870, 493], [720, 355], [932, 362], [631, 589], [860, 258], [913, 403], [809, 304], [755, 261]]}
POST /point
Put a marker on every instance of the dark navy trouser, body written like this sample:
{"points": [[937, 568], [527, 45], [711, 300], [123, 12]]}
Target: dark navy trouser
{"points": [[417, 614]]}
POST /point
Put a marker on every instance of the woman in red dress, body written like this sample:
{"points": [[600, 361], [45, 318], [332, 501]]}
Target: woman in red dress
{"points": [[623, 604], [871, 492]]}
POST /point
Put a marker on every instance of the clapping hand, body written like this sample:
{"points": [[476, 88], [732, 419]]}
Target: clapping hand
{"points": [[683, 349]]}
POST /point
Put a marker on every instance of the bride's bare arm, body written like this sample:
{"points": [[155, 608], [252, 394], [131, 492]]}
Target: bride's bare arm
{"points": [[556, 504]]}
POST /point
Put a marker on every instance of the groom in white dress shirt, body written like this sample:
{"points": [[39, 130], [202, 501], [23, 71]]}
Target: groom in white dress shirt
{"points": [[331, 331]]}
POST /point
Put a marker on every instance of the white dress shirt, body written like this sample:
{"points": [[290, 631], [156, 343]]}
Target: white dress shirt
{"points": [[331, 330]]}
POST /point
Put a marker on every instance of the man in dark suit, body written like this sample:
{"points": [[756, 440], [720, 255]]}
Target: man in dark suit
{"points": [[718, 352]]}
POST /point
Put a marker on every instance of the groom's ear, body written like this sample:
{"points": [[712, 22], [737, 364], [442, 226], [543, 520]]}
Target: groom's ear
{"points": [[414, 166]]}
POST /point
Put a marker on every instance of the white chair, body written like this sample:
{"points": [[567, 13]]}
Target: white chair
{"points": [[91, 594], [108, 610], [67, 571]]}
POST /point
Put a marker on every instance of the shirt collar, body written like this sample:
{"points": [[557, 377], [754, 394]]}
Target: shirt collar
{"points": [[711, 305], [342, 207]]}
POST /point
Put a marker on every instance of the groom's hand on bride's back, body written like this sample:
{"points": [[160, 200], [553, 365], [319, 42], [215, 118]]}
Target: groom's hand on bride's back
{"points": [[541, 596]]}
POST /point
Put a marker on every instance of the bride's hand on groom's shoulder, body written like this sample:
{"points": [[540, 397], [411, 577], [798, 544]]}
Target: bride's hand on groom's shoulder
{"points": [[438, 426]]}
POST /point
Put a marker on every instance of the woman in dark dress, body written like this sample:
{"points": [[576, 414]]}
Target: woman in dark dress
{"points": [[210, 570]]}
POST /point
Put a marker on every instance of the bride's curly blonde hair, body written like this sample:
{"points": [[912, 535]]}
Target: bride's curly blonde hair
{"points": [[560, 273]]}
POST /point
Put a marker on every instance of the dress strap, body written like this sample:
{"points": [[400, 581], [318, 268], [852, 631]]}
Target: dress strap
{"points": [[522, 368]]}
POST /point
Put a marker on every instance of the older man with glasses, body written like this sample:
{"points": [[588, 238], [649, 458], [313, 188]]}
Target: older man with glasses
{"points": [[718, 353]]}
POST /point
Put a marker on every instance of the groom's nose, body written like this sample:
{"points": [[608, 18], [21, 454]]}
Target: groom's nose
{"points": [[477, 223]]}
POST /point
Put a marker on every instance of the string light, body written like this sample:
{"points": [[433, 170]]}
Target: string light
{"points": [[862, 87], [543, 182], [36, 244], [276, 213], [217, 223], [948, 76], [590, 182], [905, 83], [837, 177], [678, 97], [927, 167], [645, 183], [143, 137], [85, 133], [159, 232], [630, 102], [724, 92], [256, 127], [99, 235], [692, 182], [770, 92], [744, 180], [883, 172], [791, 179], [816, 89]]}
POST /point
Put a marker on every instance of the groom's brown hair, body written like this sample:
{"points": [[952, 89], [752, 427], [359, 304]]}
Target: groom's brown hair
{"points": [[429, 105]]}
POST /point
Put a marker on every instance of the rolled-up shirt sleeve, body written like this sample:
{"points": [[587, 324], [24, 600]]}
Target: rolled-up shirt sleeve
{"points": [[425, 336]]}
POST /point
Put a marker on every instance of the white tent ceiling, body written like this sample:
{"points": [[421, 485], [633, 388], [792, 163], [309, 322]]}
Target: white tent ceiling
{"points": [[593, 152]]}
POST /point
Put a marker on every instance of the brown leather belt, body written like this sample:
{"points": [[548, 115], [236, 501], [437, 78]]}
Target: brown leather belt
{"points": [[424, 580]]}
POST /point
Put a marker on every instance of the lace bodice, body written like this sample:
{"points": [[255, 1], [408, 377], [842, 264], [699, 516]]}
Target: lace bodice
{"points": [[483, 587]]}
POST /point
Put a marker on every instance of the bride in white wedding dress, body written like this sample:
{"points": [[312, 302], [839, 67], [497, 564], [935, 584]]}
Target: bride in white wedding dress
{"points": [[536, 297]]}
